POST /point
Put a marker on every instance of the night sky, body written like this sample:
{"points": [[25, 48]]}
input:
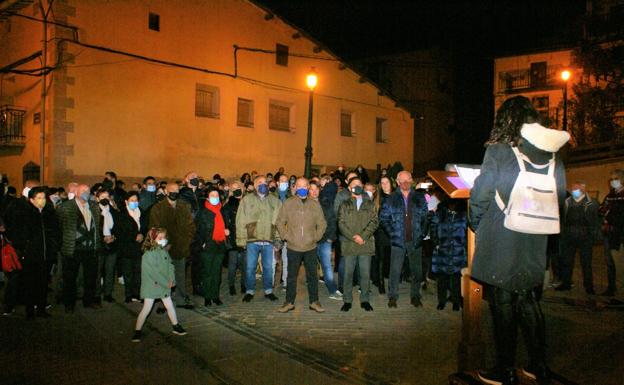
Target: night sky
{"points": [[474, 31]]}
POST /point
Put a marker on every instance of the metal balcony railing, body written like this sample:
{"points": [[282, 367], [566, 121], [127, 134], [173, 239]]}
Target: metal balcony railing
{"points": [[522, 79], [12, 127]]}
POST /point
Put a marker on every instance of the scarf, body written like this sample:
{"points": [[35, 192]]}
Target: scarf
{"points": [[136, 215], [108, 220], [218, 234]]}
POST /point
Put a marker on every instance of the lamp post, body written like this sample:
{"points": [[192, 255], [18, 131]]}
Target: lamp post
{"points": [[565, 76], [311, 81]]}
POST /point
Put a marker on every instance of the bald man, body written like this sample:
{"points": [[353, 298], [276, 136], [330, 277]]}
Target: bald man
{"points": [[80, 220], [404, 217]]}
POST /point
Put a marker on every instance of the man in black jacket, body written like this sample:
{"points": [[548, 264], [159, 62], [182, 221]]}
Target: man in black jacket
{"points": [[236, 255]]}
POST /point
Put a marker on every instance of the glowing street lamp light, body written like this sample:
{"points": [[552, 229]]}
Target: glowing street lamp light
{"points": [[565, 76], [311, 82]]}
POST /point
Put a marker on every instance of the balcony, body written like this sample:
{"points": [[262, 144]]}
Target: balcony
{"points": [[528, 79], [12, 127]]}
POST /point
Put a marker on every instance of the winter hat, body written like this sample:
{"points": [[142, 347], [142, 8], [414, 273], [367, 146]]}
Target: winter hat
{"points": [[546, 139]]}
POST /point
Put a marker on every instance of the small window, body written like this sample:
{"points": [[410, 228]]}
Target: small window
{"points": [[245, 113], [381, 130], [154, 21], [279, 116], [346, 123], [206, 101], [281, 55]]}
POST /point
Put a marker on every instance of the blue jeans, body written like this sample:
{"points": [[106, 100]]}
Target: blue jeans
{"points": [[323, 250], [265, 249]]}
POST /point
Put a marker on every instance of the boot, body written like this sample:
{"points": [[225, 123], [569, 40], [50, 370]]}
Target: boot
{"points": [[531, 321]]}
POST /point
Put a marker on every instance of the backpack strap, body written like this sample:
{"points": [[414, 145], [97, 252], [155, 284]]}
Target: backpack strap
{"points": [[523, 158], [499, 201]]}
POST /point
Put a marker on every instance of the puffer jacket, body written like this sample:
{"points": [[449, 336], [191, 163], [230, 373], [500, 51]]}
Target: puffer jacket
{"points": [[362, 222], [448, 234], [392, 218], [301, 223], [255, 219]]}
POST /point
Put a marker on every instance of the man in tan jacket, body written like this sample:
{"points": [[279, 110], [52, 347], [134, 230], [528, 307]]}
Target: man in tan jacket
{"points": [[302, 224]]}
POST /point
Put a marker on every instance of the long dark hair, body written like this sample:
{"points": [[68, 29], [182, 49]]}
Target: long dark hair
{"points": [[510, 117]]}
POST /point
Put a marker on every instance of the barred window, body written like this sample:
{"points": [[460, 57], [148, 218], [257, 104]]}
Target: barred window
{"points": [[279, 116], [245, 113], [206, 101]]}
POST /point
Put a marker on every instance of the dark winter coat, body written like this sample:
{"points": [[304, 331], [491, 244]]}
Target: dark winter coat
{"points": [[38, 235], [126, 231], [72, 224], [591, 228], [178, 221], [229, 217], [205, 223], [191, 197], [362, 222], [448, 234], [392, 218], [326, 199], [503, 258]]}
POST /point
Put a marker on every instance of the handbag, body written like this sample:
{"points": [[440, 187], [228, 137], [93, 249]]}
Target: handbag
{"points": [[10, 260]]}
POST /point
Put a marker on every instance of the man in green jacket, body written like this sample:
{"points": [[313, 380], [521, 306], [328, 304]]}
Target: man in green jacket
{"points": [[357, 221], [255, 231], [301, 223]]}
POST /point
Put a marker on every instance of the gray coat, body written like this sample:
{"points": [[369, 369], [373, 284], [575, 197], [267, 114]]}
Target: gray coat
{"points": [[503, 258]]}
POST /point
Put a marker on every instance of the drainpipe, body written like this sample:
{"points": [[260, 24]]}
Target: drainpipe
{"points": [[44, 51]]}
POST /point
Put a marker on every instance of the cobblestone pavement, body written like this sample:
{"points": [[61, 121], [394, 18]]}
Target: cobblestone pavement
{"points": [[250, 343]]}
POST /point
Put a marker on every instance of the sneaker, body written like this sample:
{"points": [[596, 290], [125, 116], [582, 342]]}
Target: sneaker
{"points": [[498, 376], [136, 337], [541, 373], [336, 296], [232, 290], [286, 307], [271, 296], [179, 330], [248, 297], [7, 312], [366, 306], [316, 306], [345, 307], [121, 281], [134, 299]]}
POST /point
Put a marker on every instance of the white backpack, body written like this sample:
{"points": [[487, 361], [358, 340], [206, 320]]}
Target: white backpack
{"points": [[533, 207]]}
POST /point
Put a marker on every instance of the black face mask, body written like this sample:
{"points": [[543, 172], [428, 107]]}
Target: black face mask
{"points": [[272, 189], [358, 190], [173, 196], [237, 193], [104, 202], [194, 182]]}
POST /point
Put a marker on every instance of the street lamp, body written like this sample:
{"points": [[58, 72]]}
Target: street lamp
{"points": [[565, 76], [311, 81]]}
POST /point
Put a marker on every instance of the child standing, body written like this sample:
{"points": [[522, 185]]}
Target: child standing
{"points": [[157, 279], [448, 234]]}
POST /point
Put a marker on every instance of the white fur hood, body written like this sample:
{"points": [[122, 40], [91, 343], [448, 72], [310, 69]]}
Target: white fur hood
{"points": [[546, 139]]}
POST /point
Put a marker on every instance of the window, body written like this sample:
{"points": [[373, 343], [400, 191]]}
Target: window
{"points": [[154, 21], [538, 74], [279, 116], [381, 130], [281, 55], [245, 113], [346, 123], [206, 101]]}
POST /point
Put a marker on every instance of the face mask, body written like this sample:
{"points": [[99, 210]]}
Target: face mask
{"points": [[432, 203], [370, 194], [283, 186], [213, 201], [162, 242], [237, 193], [55, 198], [194, 182], [151, 188], [357, 190], [84, 196], [133, 205], [173, 196], [340, 169], [292, 181], [263, 189], [272, 189], [71, 196], [104, 202], [616, 184], [25, 192], [360, 169], [576, 194], [302, 192]]}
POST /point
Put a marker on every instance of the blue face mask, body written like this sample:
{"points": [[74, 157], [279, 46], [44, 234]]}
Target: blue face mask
{"points": [[576, 194], [283, 186], [213, 201], [133, 205], [151, 188], [302, 192], [85, 196], [263, 189]]}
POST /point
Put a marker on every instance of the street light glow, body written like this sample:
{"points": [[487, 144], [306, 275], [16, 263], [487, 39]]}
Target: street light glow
{"points": [[565, 75], [311, 80]]}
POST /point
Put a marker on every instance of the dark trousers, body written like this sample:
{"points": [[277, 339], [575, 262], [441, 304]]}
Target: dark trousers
{"points": [[449, 287], [414, 258], [236, 261], [131, 270], [380, 261], [612, 243], [71, 265], [309, 263], [106, 273], [570, 244], [12, 289], [513, 309], [427, 255], [35, 280], [211, 274], [196, 268]]}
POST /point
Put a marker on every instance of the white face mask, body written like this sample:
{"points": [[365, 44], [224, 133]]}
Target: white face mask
{"points": [[71, 195], [616, 184], [162, 242], [25, 192], [433, 203], [370, 194]]}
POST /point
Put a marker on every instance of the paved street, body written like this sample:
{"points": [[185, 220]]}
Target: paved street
{"points": [[253, 344]]}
